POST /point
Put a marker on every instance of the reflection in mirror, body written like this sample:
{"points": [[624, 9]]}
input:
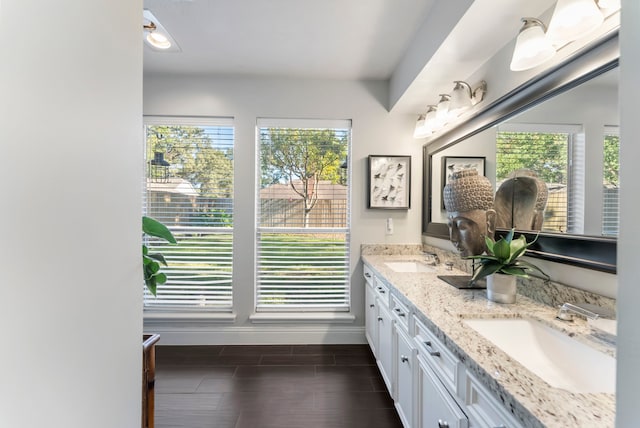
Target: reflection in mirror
{"points": [[570, 142], [572, 109]]}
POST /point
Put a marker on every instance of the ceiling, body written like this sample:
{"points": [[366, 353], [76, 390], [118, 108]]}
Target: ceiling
{"points": [[423, 44]]}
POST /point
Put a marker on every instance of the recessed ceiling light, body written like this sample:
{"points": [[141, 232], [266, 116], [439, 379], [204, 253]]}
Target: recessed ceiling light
{"points": [[155, 35]]}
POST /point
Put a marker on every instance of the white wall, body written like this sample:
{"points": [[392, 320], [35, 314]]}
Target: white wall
{"points": [[374, 131], [70, 121], [628, 375]]}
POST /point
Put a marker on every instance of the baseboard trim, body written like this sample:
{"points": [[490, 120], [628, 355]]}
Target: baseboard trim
{"points": [[260, 335]]}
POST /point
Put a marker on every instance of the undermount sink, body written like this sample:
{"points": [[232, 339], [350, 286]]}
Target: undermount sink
{"points": [[561, 361], [409, 266]]}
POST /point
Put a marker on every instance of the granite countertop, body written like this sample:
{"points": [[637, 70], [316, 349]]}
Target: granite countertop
{"points": [[532, 401]]}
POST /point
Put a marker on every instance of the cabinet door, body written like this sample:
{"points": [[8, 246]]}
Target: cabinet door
{"points": [[385, 351], [405, 361], [371, 318], [437, 407]]}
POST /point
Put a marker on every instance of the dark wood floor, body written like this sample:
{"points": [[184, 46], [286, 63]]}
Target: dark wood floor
{"points": [[298, 386]]}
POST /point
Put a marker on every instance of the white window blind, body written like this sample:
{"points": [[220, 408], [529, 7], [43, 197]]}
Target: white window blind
{"points": [[188, 186], [303, 216], [546, 150], [611, 182]]}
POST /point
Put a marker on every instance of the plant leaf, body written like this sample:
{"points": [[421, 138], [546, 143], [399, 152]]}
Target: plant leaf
{"points": [[158, 257], [526, 265], [151, 284], [518, 247], [515, 271], [502, 250], [486, 269], [161, 278], [490, 243], [153, 227], [509, 236]]}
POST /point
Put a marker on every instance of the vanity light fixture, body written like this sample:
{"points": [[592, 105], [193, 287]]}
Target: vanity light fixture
{"points": [[532, 46], [155, 35], [463, 97], [573, 19], [442, 111], [420, 131], [449, 108]]}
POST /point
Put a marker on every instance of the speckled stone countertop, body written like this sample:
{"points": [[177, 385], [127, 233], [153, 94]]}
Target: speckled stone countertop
{"points": [[531, 400]]}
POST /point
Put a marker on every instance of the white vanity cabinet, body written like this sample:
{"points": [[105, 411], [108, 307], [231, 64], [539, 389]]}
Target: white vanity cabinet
{"points": [[379, 325], [384, 351], [430, 386], [404, 375], [439, 382], [437, 406], [371, 311]]}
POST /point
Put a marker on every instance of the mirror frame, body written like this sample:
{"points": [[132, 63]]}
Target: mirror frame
{"points": [[591, 252]]}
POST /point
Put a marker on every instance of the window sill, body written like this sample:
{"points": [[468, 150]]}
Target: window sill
{"points": [[302, 318], [218, 317]]}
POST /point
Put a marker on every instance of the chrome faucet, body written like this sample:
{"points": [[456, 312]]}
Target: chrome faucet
{"points": [[431, 258], [568, 310]]}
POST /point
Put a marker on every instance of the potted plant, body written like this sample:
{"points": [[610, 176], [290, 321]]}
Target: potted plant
{"points": [[151, 261], [152, 277], [501, 265]]}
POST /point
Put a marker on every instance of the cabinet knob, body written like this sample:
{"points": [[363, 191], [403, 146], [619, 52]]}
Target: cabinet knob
{"points": [[404, 358], [443, 424], [368, 275], [430, 349], [379, 318], [372, 305]]}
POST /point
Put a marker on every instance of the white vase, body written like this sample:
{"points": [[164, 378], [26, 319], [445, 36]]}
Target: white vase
{"points": [[501, 288]]}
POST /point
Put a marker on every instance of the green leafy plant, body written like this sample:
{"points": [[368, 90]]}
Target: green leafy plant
{"points": [[151, 261], [503, 256]]}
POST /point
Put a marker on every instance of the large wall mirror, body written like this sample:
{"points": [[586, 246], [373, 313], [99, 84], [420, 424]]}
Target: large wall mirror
{"points": [[562, 127]]}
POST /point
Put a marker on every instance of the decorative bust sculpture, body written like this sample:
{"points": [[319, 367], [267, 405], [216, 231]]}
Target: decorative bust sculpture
{"points": [[468, 199], [521, 201]]}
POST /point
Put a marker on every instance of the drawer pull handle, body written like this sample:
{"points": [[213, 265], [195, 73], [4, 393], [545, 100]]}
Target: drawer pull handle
{"points": [[367, 274], [400, 313], [430, 349], [379, 318], [372, 305], [404, 358], [443, 424]]}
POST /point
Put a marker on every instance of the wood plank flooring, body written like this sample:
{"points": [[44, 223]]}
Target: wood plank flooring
{"points": [[292, 386]]}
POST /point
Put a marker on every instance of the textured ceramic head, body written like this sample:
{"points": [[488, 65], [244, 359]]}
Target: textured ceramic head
{"points": [[468, 191], [468, 198]]}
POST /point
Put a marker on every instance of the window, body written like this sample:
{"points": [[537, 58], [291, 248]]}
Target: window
{"points": [[302, 215], [188, 186], [611, 184], [547, 151]]}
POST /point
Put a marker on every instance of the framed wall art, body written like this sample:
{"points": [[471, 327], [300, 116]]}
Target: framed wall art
{"points": [[389, 182]]}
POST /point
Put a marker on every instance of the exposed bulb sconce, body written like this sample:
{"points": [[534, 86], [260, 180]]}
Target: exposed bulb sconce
{"points": [[532, 46], [573, 19], [155, 35], [449, 107]]}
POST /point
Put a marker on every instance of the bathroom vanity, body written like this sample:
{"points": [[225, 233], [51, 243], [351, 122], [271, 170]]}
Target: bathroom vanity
{"points": [[451, 358]]}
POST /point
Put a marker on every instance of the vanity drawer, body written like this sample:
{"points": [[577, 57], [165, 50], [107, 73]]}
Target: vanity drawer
{"points": [[483, 409], [400, 313], [382, 291], [445, 365], [368, 274]]}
